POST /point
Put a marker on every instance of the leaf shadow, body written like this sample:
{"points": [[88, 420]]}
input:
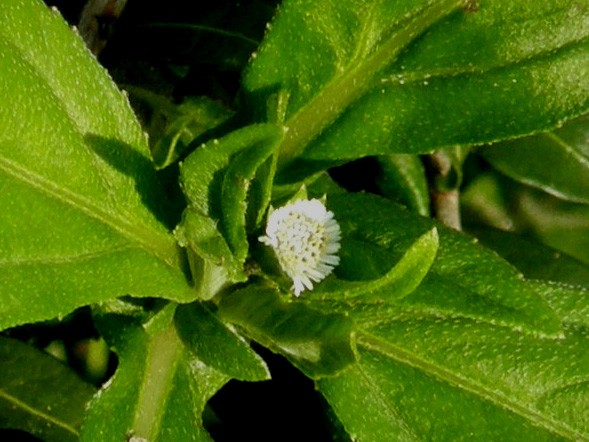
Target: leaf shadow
{"points": [[125, 159]]}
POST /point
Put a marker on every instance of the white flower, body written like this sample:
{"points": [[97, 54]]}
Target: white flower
{"points": [[305, 238]]}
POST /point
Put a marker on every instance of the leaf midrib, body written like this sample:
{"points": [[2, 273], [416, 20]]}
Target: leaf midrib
{"points": [[389, 350], [321, 110], [39, 414], [157, 244]]}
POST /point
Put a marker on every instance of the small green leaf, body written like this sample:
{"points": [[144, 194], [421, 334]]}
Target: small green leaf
{"points": [[403, 278], [316, 343], [498, 201], [217, 345], [159, 390], [212, 263], [365, 78], [402, 179], [39, 394], [201, 174], [84, 218], [216, 179], [235, 189], [556, 162]]}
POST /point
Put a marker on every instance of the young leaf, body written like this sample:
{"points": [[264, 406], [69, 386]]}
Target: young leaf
{"points": [[403, 278], [82, 218], [218, 346], [201, 174], [216, 179], [410, 76], [318, 344], [188, 122], [160, 388], [39, 394], [556, 162]]}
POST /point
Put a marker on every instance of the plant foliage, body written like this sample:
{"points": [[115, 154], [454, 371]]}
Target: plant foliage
{"points": [[422, 332]]}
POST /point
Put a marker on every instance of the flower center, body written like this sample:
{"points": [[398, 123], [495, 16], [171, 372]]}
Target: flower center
{"points": [[300, 241]]}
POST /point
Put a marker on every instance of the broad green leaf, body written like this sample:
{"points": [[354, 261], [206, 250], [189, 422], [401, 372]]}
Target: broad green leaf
{"points": [[83, 218], [217, 345], [316, 343], [442, 379], [556, 162], [160, 388], [380, 77], [464, 280], [402, 179], [39, 394], [428, 371]]}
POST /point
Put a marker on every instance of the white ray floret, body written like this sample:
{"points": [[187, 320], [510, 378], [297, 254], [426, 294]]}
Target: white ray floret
{"points": [[305, 238]]}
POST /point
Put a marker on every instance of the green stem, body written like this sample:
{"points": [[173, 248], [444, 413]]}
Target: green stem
{"points": [[325, 107], [163, 356]]}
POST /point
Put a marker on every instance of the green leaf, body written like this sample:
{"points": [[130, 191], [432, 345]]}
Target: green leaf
{"points": [[234, 193], [187, 123], [476, 380], [556, 162], [160, 388], [533, 259], [438, 365], [216, 179], [402, 179], [316, 343], [39, 394], [212, 263], [83, 216], [217, 345], [441, 379], [399, 282], [495, 200], [464, 280], [380, 77], [202, 173]]}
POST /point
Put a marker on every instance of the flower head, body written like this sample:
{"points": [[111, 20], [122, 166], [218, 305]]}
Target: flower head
{"points": [[305, 238]]}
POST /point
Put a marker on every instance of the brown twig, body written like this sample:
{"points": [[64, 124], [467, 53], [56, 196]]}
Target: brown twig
{"points": [[96, 20], [445, 201]]}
